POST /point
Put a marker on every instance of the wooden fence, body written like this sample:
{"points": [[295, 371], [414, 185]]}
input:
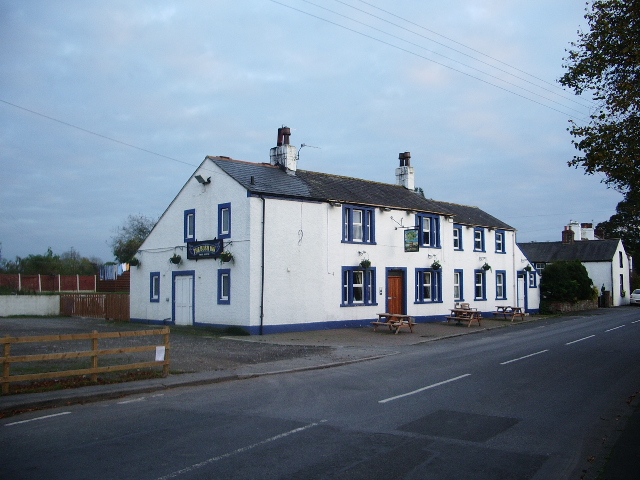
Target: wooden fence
{"points": [[161, 355], [95, 305], [49, 283]]}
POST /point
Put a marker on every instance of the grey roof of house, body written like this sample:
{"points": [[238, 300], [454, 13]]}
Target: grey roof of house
{"points": [[271, 180], [583, 250]]}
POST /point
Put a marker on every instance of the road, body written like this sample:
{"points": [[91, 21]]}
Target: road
{"points": [[531, 402]]}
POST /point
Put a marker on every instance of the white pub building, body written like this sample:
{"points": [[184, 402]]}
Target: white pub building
{"points": [[270, 248]]}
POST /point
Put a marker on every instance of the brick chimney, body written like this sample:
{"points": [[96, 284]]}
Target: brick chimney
{"points": [[567, 236], [404, 173], [284, 155]]}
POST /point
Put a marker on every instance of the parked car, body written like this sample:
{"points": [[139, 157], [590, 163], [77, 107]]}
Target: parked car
{"points": [[635, 297]]}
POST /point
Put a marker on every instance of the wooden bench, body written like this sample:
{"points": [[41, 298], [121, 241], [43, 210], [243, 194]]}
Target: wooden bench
{"points": [[508, 311], [465, 314], [394, 321]]}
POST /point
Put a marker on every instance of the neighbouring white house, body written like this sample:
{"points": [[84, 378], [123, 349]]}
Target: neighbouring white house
{"points": [[315, 251], [606, 261]]}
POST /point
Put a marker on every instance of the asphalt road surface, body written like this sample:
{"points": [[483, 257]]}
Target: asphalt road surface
{"points": [[533, 402]]}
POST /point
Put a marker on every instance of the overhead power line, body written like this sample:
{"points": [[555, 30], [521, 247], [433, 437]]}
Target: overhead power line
{"points": [[96, 134], [430, 60]]}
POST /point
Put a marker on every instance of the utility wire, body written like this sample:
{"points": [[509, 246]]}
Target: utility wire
{"points": [[449, 58], [97, 134], [425, 58], [463, 45], [463, 53]]}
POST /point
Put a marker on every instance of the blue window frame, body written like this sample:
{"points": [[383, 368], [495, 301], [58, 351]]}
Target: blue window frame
{"points": [[478, 239], [224, 220], [533, 279], [224, 286], [480, 285], [458, 285], [358, 286], [501, 284], [428, 230], [358, 224], [500, 241], [189, 225], [457, 237], [154, 287], [428, 285]]}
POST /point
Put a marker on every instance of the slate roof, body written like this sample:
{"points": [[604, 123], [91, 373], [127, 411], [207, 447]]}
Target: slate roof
{"points": [[271, 180], [583, 250]]}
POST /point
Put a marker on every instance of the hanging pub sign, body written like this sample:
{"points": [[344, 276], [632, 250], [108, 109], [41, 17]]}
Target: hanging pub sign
{"points": [[411, 240], [204, 249]]}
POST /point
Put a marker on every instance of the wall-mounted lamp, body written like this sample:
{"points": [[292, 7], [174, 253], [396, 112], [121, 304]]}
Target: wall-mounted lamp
{"points": [[201, 180], [334, 203], [385, 209]]}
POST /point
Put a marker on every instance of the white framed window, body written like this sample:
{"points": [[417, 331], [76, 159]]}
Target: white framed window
{"points": [[154, 287], [358, 224], [224, 286], [501, 276], [224, 220], [428, 285], [457, 285], [480, 287], [429, 229], [457, 237], [189, 225], [358, 286], [478, 239], [500, 245]]}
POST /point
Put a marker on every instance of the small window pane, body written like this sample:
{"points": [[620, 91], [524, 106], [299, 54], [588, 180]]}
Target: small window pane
{"points": [[358, 286], [358, 232]]}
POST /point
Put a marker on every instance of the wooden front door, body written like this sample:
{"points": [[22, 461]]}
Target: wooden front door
{"points": [[395, 292]]}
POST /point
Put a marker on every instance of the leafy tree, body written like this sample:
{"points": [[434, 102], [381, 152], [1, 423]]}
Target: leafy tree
{"points": [[566, 281], [129, 237], [606, 62], [625, 224]]}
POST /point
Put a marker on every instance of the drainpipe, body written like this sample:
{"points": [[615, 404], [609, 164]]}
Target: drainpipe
{"points": [[262, 268]]}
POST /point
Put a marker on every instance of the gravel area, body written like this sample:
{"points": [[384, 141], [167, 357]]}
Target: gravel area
{"points": [[192, 350]]}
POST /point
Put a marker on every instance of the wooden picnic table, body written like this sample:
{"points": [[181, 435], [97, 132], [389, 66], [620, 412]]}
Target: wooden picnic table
{"points": [[465, 314], [509, 311], [394, 321]]}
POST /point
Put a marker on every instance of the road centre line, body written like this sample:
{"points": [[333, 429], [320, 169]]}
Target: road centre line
{"points": [[635, 321], [579, 340], [614, 328], [240, 450], [132, 401], [37, 418], [423, 389], [522, 358]]}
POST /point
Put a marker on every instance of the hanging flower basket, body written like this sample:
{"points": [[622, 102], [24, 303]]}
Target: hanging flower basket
{"points": [[134, 262], [528, 268], [226, 257], [486, 266], [176, 259], [436, 265], [366, 263]]}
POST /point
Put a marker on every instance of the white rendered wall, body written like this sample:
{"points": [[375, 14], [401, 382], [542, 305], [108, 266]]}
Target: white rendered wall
{"points": [[45, 305]]}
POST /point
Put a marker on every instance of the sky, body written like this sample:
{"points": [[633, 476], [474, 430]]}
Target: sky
{"points": [[107, 108]]}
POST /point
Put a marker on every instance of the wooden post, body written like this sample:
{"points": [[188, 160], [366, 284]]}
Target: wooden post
{"points": [[165, 367], [94, 358], [6, 365]]}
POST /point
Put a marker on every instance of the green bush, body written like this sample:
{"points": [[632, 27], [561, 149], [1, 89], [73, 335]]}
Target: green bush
{"points": [[566, 281]]}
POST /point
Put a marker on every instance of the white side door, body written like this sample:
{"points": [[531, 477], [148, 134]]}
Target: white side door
{"points": [[521, 287], [183, 299]]}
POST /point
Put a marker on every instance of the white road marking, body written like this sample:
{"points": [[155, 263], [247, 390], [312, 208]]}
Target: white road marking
{"points": [[614, 328], [522, 358], [131, 401], [581, 339], [240, 450], [423, 388], [636, 321], [37, 418]]}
